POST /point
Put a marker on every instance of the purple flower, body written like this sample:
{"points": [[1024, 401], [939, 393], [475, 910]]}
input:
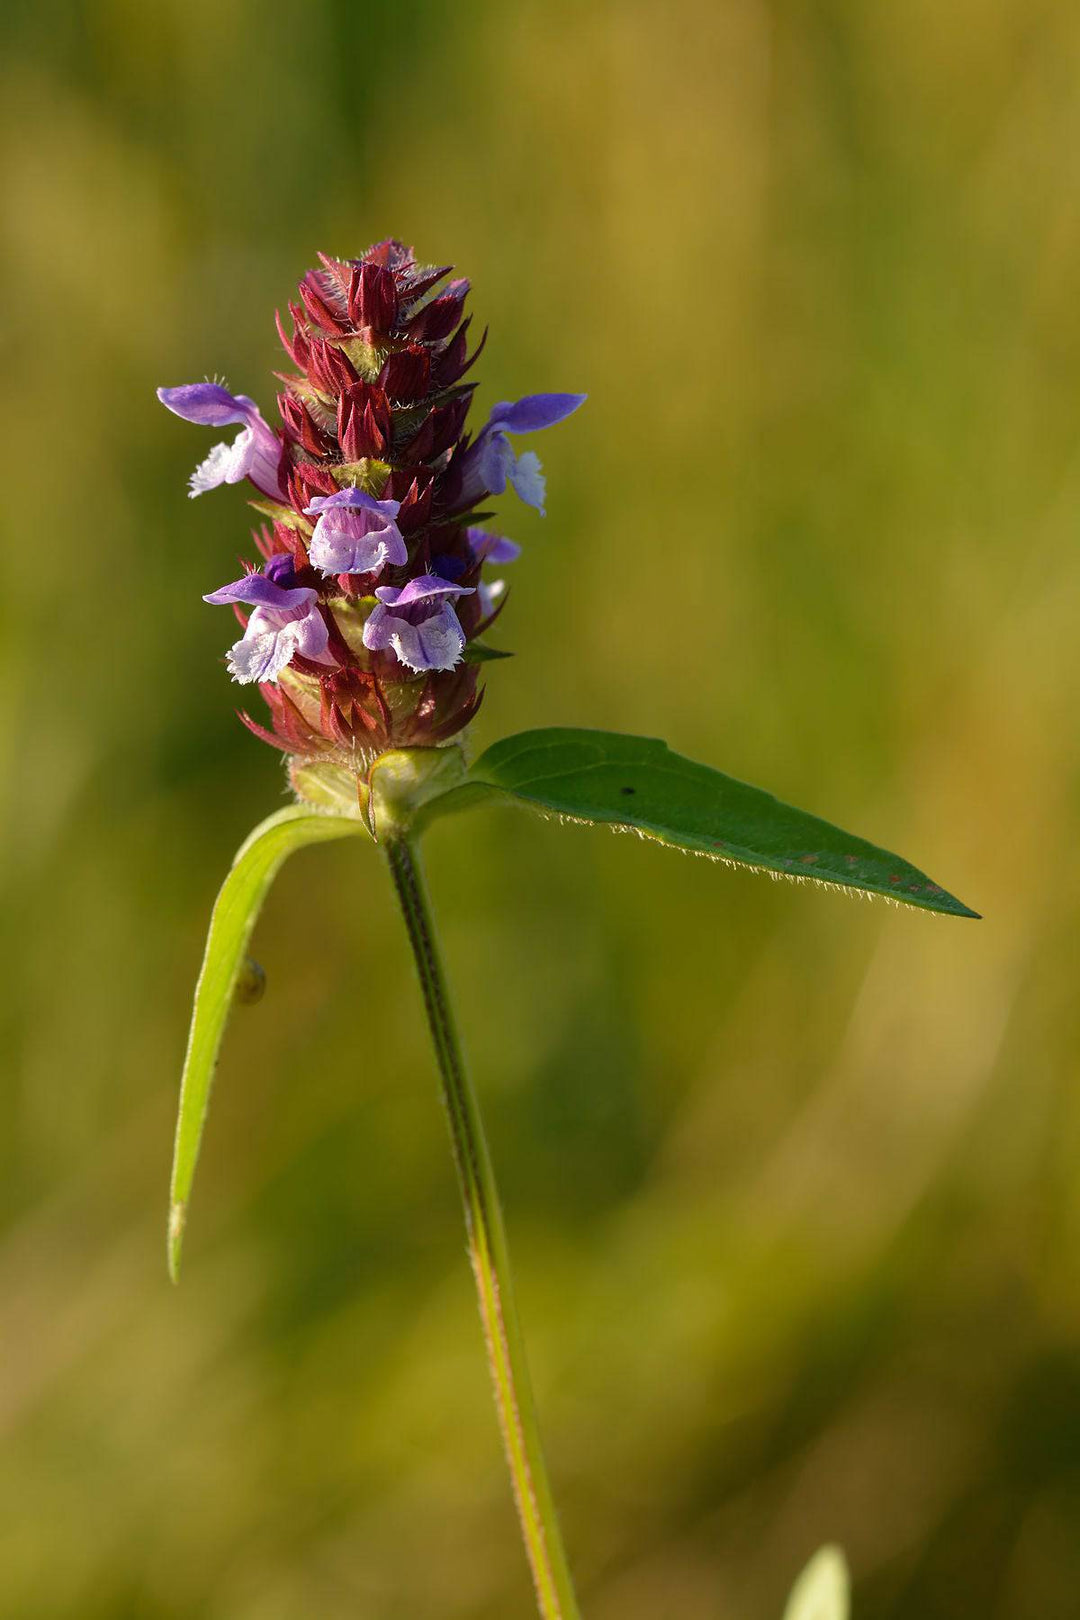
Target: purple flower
{"points": [[489, 596], [490, 464], [355, 534], [418, 623], [494, 548], [255, 453], [286, 620]]}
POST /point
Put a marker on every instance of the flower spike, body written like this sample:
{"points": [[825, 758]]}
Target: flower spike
{"points": [[375, 585]]}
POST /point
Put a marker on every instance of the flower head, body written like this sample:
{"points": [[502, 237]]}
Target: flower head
{"points": [[418, 622], [255, 453], [490, 464], [373, 581], [494, 548], [286, 620], [355, 534]]}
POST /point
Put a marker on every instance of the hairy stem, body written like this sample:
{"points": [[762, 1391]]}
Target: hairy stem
{"points": [[488, 1253]]}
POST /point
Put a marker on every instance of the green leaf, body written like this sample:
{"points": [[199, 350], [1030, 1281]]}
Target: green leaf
{"points": [[638, 784], [226, 970], [822, 1590], [477, 652]]}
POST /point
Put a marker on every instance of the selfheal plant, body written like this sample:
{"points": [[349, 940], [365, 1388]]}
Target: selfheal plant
{"points": [[369, 604]]}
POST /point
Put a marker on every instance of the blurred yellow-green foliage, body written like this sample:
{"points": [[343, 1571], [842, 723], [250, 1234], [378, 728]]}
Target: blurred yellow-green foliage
{"points": [[791, 1181]]}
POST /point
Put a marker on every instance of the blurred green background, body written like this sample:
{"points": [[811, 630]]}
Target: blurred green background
{"points": [[791, 1181]]}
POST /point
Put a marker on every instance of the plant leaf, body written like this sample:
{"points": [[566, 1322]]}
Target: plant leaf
{"points": [[477, 652], [637, 783], [238, 904], [822, 1590]]}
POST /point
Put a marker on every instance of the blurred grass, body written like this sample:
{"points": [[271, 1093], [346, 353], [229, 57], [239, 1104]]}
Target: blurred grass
{"points": [[790, 1181]]}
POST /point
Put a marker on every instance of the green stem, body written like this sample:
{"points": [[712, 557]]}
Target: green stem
{"points": [[488, 1253]]}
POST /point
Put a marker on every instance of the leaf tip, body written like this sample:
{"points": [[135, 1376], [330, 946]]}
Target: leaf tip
{"points": [[957, 908], [823, 1590], [177, 1217]]}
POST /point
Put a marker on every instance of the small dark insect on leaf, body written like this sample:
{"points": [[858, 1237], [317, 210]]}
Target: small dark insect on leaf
{"points": [[251, 983], [626, 790]]}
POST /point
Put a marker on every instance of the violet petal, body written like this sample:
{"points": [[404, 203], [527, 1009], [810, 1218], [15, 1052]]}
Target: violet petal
{"points": [[534, 412]]}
